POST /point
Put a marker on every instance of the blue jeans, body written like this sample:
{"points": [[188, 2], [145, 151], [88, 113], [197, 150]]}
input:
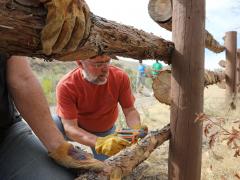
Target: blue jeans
{"points": [[23, 157], [100, 157]]}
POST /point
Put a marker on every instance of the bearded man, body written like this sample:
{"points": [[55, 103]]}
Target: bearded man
{"points": [[87, 105]]}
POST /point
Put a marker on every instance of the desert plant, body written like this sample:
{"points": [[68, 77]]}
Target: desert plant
{"points": [[214, 129]]}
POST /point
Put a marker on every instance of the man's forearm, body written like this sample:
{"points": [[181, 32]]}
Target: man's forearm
{"points": [[31, 102], [81, 136], [132, 118]]}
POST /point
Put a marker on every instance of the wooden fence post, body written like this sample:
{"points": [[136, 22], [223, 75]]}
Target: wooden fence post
{"points": [[187, 83], [231, 66], [238, 70]]}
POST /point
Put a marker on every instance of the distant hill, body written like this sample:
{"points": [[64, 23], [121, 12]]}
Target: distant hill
{"points": [[41, 67], [133, 65]]}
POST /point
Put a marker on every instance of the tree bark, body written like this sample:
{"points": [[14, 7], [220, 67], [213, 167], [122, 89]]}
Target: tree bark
{"points": [[20, 28], [123, 163], [162, 83], [161, 12]]}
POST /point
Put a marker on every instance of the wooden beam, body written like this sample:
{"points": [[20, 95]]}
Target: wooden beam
{"points": [[20, 28], [125, 161], [162, 83], [161, 12], [187, 84]]}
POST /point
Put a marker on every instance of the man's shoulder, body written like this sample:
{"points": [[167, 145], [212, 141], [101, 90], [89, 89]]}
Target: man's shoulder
{"points": [[70, 76]]}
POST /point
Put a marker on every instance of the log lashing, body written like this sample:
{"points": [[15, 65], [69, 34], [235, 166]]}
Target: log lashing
{"points": [[20, 28], [123, 163], [161, 12]]}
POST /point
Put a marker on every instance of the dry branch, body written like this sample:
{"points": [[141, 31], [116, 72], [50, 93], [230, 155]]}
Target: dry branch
{"points": [[125, 161], [162, 84], [20, 28], [161, 12]]}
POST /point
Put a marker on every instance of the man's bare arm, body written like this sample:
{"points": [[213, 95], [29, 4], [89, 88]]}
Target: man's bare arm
{"points": [[132, 117], [78, 134], [31, 102]]}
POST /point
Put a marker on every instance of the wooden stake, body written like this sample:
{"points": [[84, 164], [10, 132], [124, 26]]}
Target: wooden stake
{"points": [[187, 85], [231, 53], [238, 70]]}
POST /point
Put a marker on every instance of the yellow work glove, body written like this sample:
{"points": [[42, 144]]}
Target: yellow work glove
{"points": [[110, 144], [71, 156], [67, 23], [140, 127]]}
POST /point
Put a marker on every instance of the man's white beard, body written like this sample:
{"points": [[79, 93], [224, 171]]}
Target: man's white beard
{"points": [[93, 79]]}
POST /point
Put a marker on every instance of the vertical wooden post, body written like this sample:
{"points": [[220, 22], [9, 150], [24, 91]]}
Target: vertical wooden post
{"points": [[187, 83], [238, 70], [231, 53]]}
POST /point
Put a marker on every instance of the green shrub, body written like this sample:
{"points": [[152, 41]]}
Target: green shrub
{"points": [[49, 85]]}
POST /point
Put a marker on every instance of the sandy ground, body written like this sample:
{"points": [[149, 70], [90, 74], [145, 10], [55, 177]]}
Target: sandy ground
{"points": [[217, 163]]}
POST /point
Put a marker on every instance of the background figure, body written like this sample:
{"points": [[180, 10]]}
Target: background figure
{"points": [[156, 68], [141, 77]]}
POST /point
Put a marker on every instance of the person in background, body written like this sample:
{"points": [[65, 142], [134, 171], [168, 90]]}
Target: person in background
{"points": [[156, 68], [140, 83], [87, 105]]}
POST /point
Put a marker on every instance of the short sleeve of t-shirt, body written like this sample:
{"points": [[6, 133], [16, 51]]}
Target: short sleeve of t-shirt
{"points": [[126, 98], [66, 107]]}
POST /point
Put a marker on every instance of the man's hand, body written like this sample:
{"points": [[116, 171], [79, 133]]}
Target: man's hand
{"points": [[70, 156], [67, 23], [110, 144]]}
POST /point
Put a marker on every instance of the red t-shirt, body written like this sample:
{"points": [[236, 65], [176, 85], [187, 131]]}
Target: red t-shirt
{"points": [[95, 106]]}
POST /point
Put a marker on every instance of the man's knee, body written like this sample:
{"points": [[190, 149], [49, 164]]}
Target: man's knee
{"points": [[22, 156]]}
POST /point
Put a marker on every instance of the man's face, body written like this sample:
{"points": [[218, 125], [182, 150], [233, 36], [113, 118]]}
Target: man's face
{"points": [[96, 70]]}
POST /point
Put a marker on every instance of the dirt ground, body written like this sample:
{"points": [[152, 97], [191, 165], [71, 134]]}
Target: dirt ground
{"points": [[218, 163]]}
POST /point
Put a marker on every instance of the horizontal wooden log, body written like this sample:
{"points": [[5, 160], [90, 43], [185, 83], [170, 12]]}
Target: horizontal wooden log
{"points": [[212, 44], [20, 28], [162, 83], [123, 163], [222, 63], [161, 12]]}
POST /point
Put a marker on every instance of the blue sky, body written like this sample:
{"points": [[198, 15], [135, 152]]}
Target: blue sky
{"points": [[221, 16]]}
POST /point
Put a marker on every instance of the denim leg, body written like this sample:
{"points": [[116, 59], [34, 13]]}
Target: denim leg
{"points": [[23, 157], [59, 124], [103, 157]]}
